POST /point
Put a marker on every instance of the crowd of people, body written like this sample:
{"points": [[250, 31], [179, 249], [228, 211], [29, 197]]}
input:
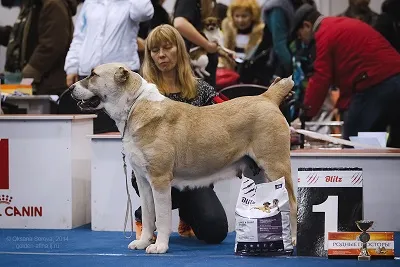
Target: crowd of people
{"points": [[355, 53]]}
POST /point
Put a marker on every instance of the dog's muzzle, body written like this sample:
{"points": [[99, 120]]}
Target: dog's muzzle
{"points": [[85, 104], [90, 103]]}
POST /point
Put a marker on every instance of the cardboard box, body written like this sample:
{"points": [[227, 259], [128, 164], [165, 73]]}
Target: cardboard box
{"points": [[11, 88], [347, 244]]}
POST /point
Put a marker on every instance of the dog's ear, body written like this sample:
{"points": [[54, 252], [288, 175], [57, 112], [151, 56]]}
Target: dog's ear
{"points": [[121, 75]]}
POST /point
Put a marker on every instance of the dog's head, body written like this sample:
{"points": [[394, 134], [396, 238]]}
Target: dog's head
{"points": [[107, 84], [211, 23]]}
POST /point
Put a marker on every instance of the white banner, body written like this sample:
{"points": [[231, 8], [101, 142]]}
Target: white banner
{"points": [[330, 178]]}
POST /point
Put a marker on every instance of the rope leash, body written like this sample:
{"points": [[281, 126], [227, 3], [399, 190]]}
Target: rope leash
{"points": [[128, 213]]}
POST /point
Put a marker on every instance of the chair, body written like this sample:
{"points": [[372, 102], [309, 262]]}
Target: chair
{"points": [[239, 90]]}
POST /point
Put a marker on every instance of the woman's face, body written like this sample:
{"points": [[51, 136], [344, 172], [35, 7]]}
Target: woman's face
{"points": [[242, 18], [165, 56]]}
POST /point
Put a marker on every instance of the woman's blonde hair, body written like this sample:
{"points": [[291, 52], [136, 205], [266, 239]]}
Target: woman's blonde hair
{"points": [[186, 81], [250, 5]]}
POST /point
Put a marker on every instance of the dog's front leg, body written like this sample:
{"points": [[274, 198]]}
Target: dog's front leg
{"points": [[148, 215], [163, 205]]}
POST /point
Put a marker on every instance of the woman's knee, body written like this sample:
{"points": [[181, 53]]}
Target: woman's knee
{"points": [[212, 230], [215, 234]]}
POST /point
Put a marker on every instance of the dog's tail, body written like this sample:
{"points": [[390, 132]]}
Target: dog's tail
{"points": [[277, 92]]}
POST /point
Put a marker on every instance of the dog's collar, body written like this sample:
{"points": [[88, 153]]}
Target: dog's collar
{"points": [[129, 115]]}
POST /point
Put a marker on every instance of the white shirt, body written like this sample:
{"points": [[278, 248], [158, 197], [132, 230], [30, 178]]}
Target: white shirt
{"points": [[106, 32], [242, 41]]}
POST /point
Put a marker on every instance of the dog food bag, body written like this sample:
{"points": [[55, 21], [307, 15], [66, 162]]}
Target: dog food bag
{"points": [[262, 219]]}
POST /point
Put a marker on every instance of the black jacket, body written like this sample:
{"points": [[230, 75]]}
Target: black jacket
{"points": [[5, 35], [388, 23]]}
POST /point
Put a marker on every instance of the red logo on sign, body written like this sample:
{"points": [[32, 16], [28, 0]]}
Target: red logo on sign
{"points": [[4, 169], [333, 179], [356, 178], [5, 199], [25, 211], [312, 178]]}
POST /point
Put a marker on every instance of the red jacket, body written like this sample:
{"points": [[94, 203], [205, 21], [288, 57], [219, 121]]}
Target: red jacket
{"points": [[349, 54]]}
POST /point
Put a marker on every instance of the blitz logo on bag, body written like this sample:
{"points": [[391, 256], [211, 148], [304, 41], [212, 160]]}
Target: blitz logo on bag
{"points": [[278, 186], [247, 201]]}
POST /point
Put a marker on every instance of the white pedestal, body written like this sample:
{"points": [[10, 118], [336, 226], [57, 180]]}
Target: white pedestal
{"points": [[380, 168], [49, 171]]}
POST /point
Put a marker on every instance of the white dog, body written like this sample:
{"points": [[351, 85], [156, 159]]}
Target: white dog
{"points": [[170, 143]]}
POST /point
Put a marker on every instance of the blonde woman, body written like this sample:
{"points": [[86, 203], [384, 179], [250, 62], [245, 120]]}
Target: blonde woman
{"points": [[166, 64], [242, 28]]}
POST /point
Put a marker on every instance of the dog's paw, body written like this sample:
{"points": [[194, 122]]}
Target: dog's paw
{"points": [[139, 244], [157, 248]]}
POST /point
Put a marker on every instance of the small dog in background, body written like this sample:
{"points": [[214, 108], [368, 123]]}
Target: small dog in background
{"points": [[198, 55], [212, 30], [199, 61]]}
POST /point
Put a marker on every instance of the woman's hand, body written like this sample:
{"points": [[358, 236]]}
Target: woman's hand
{"points": [[141, 44], [211, 47], [71, 79], [231, 53]]}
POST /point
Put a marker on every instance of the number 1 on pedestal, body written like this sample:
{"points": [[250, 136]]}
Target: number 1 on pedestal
{"points": [[331, 208]]}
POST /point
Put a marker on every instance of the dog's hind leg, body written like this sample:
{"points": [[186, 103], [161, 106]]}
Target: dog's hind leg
{"points": [[273, 157], [148, 215], [161, 186]]}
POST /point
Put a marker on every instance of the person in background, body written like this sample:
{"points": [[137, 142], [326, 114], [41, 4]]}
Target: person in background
{"points": [[188, 20], [302, 68], [242, 29], [359, 9], [38, 44], [5, 32], [222, 11], [160, 17], [353, 56], [278, 18], [388, 22], [106, 31], [167, 65]]}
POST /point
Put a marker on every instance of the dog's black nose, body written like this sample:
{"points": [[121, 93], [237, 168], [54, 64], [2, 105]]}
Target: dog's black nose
{"points": [[72, 87]]}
